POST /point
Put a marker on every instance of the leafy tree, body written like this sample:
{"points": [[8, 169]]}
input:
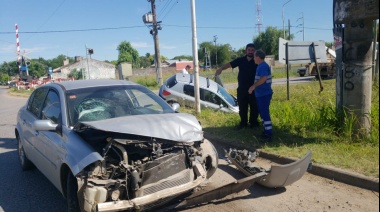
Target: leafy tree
{"points": [[77, 74], [128, 54], [37, 69], [224, 54], [147, 60], [9, 68], [268, 41], [183, 57], [56, 62], [329, 44], [206, 48]]}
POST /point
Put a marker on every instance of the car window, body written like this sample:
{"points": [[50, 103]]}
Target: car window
{"points": [[143, 103], [170, 82], [52, 107], [226, 96], [36, 101], [98, 103], [210, 96], [188, 90]]}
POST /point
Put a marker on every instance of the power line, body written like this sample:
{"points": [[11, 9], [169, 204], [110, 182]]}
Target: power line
{"points": [[77, 30], [173, 5], [131, 27]]}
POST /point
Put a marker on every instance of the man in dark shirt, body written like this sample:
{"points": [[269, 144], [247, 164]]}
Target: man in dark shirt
{"points": [[246, 76]]}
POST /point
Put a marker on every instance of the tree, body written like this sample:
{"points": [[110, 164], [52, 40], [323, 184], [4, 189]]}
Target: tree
{"points": [[224, 53], [268, 41], [183, 57], [77, 74], [10, 68], [146, 61], [206, 48], [37, 69], [329, 44], [128, 54]]}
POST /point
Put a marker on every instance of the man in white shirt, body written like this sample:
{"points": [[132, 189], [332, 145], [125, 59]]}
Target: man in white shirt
{"points": [[186, 69]]}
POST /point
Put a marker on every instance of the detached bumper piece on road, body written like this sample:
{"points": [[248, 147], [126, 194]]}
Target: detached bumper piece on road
{"points": [[277, 175]]}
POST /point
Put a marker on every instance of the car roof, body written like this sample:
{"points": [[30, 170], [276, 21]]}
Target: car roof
{"points": [[77, 84], [189, 79]]}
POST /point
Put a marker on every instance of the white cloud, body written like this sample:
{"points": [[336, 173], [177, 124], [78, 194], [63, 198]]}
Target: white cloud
{"points": [[140, 45]]}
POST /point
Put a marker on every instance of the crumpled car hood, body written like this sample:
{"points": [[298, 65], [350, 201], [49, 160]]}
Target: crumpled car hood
{"points": [[179, 127]]}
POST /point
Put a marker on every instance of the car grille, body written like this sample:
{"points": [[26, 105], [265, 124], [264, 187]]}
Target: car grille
{"points": [[183, 178]]}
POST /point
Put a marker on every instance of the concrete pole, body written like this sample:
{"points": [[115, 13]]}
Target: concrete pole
{"points": [[355, 76], [216, 51], [195, 58], [357, 73], [156, 45]]}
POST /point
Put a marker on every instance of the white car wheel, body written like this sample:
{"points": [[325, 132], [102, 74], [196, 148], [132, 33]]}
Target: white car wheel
{"points": [[26, 164]]}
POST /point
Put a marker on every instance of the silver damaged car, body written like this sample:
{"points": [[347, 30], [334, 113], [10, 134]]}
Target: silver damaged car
{"points": [[110, 145], [179, 88]]}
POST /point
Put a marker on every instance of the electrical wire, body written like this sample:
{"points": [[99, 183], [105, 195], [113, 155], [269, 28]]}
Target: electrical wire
{"points": [[130, 27]]}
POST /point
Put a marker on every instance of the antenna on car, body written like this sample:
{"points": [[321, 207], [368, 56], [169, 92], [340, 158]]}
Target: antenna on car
{"points": [[208, 82]]}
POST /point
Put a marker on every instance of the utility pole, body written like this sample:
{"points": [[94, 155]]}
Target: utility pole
{"points": [[216, 51], [354, 74], [154, 32], [303, 27], [195, 56], [289, 28]]}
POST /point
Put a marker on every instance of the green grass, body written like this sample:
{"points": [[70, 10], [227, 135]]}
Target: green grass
{"points": [[306, 121]]}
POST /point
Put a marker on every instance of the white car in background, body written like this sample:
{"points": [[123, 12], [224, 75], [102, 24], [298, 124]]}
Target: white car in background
{"points": [[179, 88]]}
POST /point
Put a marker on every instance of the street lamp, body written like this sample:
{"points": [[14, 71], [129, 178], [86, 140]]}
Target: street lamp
{"points": [[283, 24]]}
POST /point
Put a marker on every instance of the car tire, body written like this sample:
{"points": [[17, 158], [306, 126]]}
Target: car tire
{"points": [[209, 157], [302, 74], [26, 164], [72, 193]]}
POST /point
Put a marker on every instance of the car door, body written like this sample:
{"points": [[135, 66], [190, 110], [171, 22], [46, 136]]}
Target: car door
{"points": [[28, 116], [188, 98], [211, 100], [50, 143]]}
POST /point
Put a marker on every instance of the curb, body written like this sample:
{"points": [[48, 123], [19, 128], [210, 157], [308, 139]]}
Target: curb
{"points": [[332, 173]]}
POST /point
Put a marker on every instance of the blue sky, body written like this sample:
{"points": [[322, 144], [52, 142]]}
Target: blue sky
{"points": [[232, 21]]}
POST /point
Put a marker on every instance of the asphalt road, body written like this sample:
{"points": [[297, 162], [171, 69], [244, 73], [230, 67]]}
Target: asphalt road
{"points": [[31, 191]]}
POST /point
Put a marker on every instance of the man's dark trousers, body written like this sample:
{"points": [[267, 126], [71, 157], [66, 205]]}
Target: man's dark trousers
{"points": [[245, 101]]}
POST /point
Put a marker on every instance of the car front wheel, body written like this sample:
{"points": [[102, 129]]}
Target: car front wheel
{"points": [[26, 164], [210, 157], [71, 195]]}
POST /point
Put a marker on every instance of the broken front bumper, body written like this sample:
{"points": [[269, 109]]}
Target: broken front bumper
{"points": [[139, 202]]}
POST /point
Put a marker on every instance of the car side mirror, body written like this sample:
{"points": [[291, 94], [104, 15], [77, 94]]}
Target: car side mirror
{"points": [[44, 125], [221, 106]]}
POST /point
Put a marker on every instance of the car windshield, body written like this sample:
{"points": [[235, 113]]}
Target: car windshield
{"points": [[98, 103], [226, 96]]}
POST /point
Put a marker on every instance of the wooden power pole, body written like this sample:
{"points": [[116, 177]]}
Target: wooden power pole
{"points": [[154, 32]]}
